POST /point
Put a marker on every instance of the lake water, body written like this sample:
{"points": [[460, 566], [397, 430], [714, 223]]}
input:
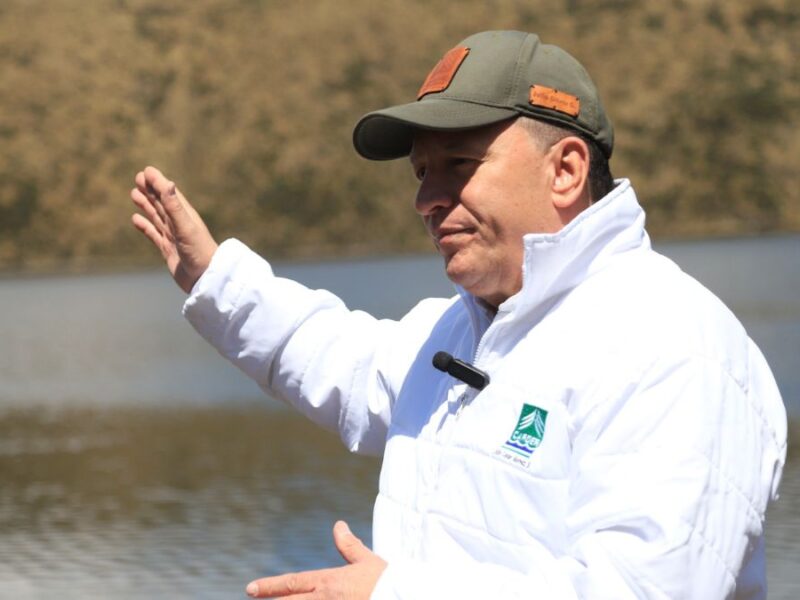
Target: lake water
{"points": [[135, 463]]}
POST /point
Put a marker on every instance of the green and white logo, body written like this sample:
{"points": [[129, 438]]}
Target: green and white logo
{"points": [[529, 431]]}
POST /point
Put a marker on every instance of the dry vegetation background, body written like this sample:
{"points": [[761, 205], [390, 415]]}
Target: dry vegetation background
{"points": [[249, 105]]}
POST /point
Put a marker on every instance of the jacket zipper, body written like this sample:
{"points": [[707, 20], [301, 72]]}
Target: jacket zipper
{"points": [[469, 394]]}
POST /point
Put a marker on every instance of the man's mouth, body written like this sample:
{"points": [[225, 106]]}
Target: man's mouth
{"points": [[449, 241], [445, 235]]}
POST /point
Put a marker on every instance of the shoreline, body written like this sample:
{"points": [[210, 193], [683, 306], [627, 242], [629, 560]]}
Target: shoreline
{"points": [[52, 267]]}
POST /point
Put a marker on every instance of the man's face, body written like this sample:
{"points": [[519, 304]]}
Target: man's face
{"points": [[480, 191]]}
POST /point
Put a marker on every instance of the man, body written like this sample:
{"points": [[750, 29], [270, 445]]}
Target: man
{"points": [[630, 435]]}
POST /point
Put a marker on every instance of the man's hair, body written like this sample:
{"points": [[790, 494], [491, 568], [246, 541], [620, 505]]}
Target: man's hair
{"points": [[545, 135]]}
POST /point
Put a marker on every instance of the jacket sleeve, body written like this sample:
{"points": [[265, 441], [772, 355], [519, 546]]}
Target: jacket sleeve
{"points": [[669, 483], [341, 368]]}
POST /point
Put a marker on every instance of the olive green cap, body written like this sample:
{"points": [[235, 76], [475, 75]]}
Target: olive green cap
{"points": [[489, 77]]}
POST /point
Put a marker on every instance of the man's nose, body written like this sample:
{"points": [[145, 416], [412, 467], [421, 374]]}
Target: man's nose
{"points": [[432, 196]]}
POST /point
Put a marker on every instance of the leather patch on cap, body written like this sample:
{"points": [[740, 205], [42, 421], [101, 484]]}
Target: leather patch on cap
{"points": [[444, 71], [553, 99]]}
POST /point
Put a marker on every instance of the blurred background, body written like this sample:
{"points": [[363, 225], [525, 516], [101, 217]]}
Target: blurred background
{"points": [[134, 462]]}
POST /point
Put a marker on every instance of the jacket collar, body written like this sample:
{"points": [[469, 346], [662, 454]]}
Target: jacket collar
{"points": [[554, 263]]}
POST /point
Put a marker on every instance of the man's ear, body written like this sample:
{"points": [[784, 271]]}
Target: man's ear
{"points": [[570, 185]]}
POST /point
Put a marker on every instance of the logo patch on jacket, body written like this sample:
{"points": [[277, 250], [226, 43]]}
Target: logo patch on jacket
{"points": [[527, 435]]}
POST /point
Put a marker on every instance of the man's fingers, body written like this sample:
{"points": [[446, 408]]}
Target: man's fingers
{"points": [[162, 213], [150, 210], [327, 583], [296, 585], [152, 225], [349, 546], [163, 189], [149, 230], [154, 178], [165, 197], [141, 183], [146, 187]]}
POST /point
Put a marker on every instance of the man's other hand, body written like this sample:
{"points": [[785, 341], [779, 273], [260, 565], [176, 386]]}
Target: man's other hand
{"points": [[354, 581], [173, 226]]}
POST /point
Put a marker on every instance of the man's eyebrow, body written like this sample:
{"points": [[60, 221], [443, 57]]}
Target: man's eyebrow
{"points": [[465, 145]]}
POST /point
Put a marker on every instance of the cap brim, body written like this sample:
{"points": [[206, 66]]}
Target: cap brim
{"points": [[388, 133]]}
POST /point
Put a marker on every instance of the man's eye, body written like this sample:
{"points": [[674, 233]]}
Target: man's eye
{"points": [[420, 173], [460, 162]]}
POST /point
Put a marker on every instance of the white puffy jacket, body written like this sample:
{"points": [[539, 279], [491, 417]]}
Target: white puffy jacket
{"points": [[626, 447]]}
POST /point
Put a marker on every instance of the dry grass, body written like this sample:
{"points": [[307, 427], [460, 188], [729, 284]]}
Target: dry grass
{"points": [[250, 104]]}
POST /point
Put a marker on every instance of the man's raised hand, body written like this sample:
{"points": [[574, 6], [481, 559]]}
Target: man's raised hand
{"points": [[173, 226]]}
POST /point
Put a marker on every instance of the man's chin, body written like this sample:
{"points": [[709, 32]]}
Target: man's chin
{"points": [[459, 274]]}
